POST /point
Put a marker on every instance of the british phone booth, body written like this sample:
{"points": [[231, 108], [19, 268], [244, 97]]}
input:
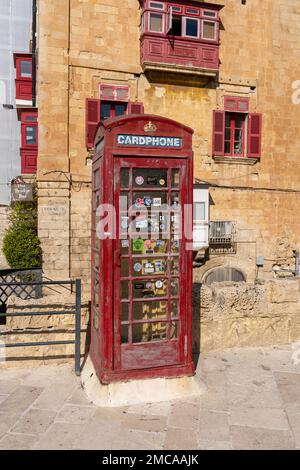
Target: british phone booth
{"points": [[141, 257]]}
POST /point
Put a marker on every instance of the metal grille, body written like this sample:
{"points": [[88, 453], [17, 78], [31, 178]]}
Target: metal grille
{"points": [[221, 232], [9, 284]]}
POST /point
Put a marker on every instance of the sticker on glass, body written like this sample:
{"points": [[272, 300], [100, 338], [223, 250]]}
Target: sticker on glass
{"points": [[137, 267], [125, 243], [124, 222], [157, 201], [160, 266], [140, 202], [141, 223], [152, 180], [149, 268], [162, 182], [149, 285], [148, 201], [137, 245], [139, 285], [139, 180], [159, 284]]}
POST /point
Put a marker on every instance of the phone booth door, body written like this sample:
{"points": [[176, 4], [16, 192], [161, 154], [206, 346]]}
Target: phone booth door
{"points": [[150, 265]]}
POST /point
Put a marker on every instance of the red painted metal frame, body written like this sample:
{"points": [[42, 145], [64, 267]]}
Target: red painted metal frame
{"points": [[104, 329]]}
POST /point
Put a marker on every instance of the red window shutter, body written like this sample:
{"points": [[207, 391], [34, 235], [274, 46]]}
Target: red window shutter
{"points": [[254, 135], [219, 133], [92, 120], [135, 108]]}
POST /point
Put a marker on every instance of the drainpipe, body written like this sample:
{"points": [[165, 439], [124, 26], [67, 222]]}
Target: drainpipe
{"points": [[34, 13]]}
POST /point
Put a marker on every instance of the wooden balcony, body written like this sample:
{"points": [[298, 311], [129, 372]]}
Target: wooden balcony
{"points": [[178, 55]]}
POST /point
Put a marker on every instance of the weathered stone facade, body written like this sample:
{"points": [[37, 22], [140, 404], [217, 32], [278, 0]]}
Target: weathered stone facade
{"points": [[85, 43], [96, 42], [230, 315]]}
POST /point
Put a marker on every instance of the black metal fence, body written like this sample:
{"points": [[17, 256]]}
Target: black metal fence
{"points": [[13, 282], [24, 287]]}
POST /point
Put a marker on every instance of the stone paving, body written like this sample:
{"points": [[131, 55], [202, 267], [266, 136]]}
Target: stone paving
{"points": [[252, 402]]}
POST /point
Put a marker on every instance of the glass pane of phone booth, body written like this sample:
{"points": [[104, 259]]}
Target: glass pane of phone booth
{"points": [[151, 258]]}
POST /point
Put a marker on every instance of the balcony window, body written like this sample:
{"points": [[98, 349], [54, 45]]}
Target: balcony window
{"points": [[191, 27], [23, 64], [156, 23], [180, 35], [156, 6], [25, 69], [209, 30]]}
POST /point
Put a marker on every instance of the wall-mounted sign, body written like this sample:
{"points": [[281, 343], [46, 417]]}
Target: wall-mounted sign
{"points": [[129, 140], [21, 191]]}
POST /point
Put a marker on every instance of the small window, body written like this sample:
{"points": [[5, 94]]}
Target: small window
{"points": [[110, 109], [156, 6], [192, 11], [31, 118], [176, 9], [176, 25], [25, 68], [191, 27], [211, 14], [199, 211], [234, 134], [106, 111], [156, 23], [31, 135], [209, 30]]}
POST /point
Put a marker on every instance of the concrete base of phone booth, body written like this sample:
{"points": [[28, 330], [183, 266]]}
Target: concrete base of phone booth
{"points": [[134, 392]]}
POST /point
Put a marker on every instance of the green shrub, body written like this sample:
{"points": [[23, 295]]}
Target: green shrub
{"points": [[21, 245]]}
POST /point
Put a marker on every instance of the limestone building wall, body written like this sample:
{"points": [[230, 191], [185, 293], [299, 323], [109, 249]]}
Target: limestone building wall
{"points": [[85, 43]]}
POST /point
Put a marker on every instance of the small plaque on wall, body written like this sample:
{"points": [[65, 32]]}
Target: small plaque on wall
{"points": [[21, 191]]}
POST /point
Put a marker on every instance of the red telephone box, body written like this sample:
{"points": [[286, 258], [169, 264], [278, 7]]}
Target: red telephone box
{"points": [[141, 262]]}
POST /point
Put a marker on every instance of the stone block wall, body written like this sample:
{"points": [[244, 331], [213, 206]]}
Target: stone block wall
{"points": [[42, 328], [228, 315]]}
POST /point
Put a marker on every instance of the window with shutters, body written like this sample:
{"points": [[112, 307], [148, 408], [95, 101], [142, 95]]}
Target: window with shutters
{"points": [[114, 102], [236, 132], [180, 33]]}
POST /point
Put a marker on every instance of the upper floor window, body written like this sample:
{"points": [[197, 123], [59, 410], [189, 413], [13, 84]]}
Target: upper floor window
{"points": [[180, 20], [114, 101], [23, 67], [236, 132], [29, 129]]}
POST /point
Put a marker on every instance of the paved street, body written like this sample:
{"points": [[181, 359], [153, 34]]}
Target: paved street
{"points": [[252, 402]]}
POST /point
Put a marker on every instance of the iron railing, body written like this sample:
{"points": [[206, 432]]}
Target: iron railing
{"points": [[75, 311], [15, 282]]}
